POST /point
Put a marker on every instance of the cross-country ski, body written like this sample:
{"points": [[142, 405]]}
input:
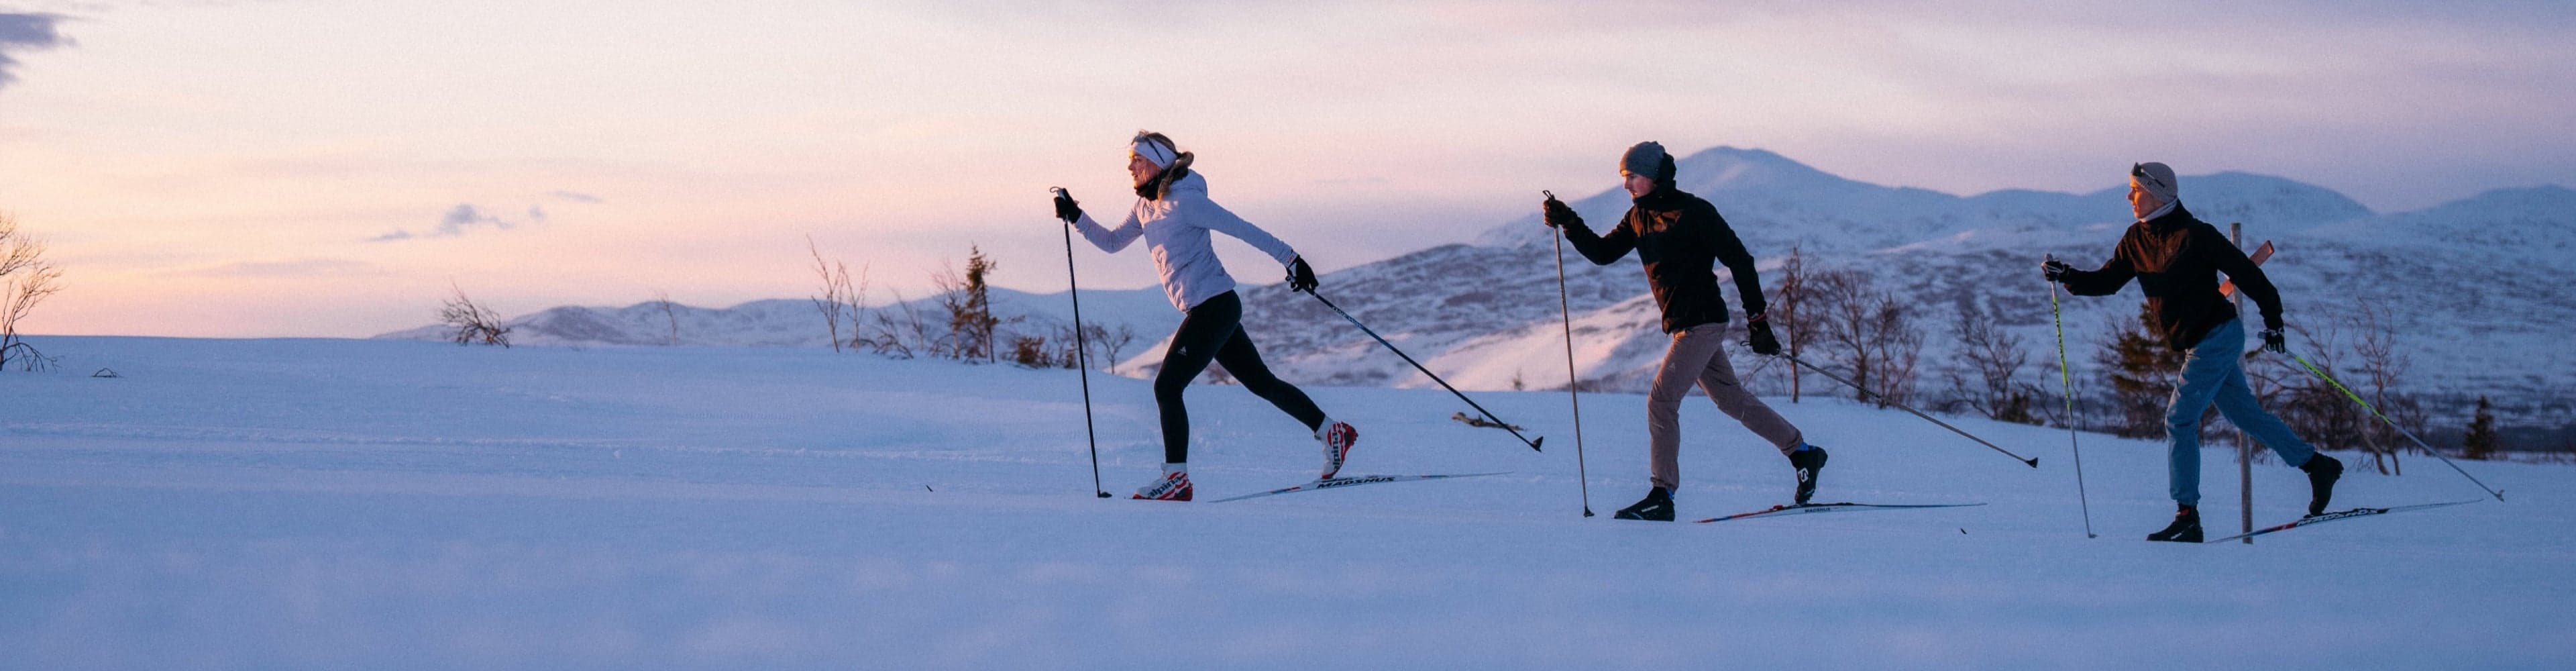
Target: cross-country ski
{"points": [[1812, 508], [1482, 423], [2341, 515], [1351, 481]]}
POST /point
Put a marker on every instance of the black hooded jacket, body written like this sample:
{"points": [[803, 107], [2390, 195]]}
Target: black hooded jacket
{"points": [[1681, 239], [2176, 259]]}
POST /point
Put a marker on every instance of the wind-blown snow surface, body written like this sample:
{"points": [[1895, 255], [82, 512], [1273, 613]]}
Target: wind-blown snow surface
{"points": [[391, 504]]}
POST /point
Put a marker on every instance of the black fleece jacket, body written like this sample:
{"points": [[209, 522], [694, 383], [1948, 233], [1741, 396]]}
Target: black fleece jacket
{"points": [[2176, 259], [1681, 239]]}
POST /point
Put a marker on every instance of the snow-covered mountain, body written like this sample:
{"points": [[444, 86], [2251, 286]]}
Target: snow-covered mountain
{"points": [[2474, 287]]}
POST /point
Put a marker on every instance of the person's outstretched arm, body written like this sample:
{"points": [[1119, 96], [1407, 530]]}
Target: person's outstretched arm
{"points": [[1205, 213]]}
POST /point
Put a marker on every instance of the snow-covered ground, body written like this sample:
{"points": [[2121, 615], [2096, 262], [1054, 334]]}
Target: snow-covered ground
{"points": [[392, 504]]}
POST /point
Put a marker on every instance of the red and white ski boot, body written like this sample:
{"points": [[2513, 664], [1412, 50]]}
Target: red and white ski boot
{"points": [[1337, 438], [1173, 486]]}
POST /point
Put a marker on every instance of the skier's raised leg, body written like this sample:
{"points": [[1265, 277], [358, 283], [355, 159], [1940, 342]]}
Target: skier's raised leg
{"points": [[1243, 360]]}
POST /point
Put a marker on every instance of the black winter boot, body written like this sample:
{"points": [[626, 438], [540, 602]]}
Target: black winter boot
{"points": [[1656, 507], [2185, 527], [1809, 460], [2323, 471]]}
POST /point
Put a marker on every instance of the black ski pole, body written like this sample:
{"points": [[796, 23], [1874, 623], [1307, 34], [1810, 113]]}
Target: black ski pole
{"points": [[2031, 462], [1572, 395], [2410, 435], [2068, 380], [1081, 352], [1417, 365]]}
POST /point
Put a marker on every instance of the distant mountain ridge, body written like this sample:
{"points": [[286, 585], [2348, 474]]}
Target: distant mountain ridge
{"points": [[2475, 286]]}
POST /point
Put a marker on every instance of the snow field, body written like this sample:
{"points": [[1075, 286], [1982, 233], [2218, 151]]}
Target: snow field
{"points": [[388, 504]]}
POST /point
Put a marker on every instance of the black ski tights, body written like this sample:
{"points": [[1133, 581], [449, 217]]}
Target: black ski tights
{"points": [[1213, 330]]}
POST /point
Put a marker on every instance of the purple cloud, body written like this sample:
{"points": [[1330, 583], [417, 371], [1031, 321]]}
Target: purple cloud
{"points": [[26, 32]]}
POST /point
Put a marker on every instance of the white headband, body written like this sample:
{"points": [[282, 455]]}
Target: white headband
{"points": [[1160, 155]]}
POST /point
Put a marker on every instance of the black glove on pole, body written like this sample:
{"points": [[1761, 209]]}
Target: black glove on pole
{"points": [[1301, 277], [2275, 342], [2054, 269], [1071, 212], [1762, 341]]}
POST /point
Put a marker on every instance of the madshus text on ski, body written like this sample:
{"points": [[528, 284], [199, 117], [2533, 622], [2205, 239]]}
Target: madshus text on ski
{"points": [[1681, 239]]}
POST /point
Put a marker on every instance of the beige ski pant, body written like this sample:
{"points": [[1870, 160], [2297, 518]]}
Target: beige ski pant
{"points": [[1698, 355]]}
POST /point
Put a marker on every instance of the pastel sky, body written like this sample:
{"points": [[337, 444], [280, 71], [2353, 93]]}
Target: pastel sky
{"points": [[328, 168]]}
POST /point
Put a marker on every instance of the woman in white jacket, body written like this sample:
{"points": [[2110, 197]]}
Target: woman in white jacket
{"points": [[1173, 215]]}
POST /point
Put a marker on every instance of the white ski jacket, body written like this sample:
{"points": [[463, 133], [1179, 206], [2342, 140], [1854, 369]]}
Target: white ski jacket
{"points": [[1175, 228]]}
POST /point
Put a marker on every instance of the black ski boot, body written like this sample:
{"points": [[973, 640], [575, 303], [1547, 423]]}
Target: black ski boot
{"points": [[2185, 527], [2323, 471], [1809, 460], [1656, 507]]}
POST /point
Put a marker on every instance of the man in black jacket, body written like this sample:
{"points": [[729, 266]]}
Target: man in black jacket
{"points": [[2176, 259], [1681, 239]]}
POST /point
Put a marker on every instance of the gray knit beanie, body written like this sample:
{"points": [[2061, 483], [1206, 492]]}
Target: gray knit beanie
{"points": [[2157, 180], [1647, 158]]}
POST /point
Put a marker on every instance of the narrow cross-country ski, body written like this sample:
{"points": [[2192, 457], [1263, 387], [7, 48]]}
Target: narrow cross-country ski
{"points": [[1482, 423], [1350, 481], [1831, 507], [2339, 515]]}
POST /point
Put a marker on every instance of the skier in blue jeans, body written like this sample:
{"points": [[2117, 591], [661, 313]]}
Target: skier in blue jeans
{"points": [[2176, 258]]}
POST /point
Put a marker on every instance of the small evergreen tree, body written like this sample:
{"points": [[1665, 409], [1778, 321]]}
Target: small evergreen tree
{"points": [[2481, 441], [2142, 372]]}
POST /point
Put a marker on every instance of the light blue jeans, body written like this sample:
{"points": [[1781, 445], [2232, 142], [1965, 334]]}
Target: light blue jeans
{"points": [[2213, 373]]}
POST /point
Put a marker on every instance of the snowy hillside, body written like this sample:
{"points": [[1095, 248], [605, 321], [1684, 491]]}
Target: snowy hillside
{"points": [[797, 323], [390, 504], [2475, 287]]}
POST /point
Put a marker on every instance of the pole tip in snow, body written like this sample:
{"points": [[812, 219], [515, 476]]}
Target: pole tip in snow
{"points": [[1587, 512], [2033, 461], [1535, 443], [1102, 494]]}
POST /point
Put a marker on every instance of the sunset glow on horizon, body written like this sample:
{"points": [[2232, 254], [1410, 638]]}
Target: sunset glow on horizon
{"points": [[328, 169]]}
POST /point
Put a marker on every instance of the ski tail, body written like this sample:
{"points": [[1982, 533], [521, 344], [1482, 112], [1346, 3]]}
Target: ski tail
{"points": [[2321, 518]]}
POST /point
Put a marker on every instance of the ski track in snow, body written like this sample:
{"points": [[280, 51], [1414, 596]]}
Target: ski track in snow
{"points": [[391, 504]]}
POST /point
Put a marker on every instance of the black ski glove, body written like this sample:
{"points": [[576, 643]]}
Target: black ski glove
{"points": [[1763, 342], [1066, 208], [1557, 214], [2275, 342], [2055, 270], [1301, 277]]}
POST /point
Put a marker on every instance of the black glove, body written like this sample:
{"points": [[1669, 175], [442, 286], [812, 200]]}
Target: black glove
{"points": [[1763, 342], [1065, 208], [2275, 342], [1301, 277], [2055, 270], [1557, 214]]}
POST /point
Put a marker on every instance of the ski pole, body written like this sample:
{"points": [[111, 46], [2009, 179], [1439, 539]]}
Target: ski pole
{"points": [[2410, 435], [1417, 365], [1572, 395], [1081, 352], [2068, 379], [2031, 462]]}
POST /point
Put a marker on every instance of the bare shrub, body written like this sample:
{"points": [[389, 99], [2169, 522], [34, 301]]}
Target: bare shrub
{"points": [[671, 312], [1870, 332], [1986, 375], [26, 279], [1792, 325], [472, 323], [841, 300]]}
